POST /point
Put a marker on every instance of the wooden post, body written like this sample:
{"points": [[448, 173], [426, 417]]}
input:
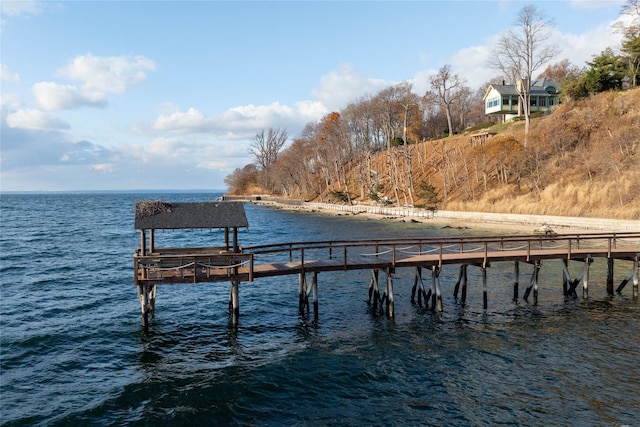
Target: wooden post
{"points": [[302, 285], [435, 274], [566, 278], [152, 241], [624, 282], [235, 240], [585, 280], [533, 283], [459, 281], [143, 243], [374, 290], [152, 301], [389, 293], [235, 302], [417, 278], [314, 286], [418, 286], [635, 275], [144, 296], [516, 279], [464, 285], [536, 270], [484, 287], [226, 238], [610, 276]]}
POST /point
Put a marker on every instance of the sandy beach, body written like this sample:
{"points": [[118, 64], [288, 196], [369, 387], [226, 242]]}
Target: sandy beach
{"points": [[520, 224]]}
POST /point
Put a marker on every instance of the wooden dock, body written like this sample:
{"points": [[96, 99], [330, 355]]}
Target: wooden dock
{"points": [[246, 264]]}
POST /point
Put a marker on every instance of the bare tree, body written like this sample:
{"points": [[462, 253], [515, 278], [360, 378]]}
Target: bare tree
{"points": [[521, 51], [266, 148], [449, 88]]}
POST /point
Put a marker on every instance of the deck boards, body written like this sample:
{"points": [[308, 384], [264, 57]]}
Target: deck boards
{"points": [[172, 273]]}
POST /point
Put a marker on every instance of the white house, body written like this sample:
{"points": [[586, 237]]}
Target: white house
{"points": [[503, 99]]}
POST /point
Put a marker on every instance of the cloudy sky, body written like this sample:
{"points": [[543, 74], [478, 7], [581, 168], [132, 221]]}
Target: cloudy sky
{"points": [[121, 95]]}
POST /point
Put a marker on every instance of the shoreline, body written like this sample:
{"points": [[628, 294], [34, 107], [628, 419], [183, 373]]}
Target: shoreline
{"points": [[517, 222]]}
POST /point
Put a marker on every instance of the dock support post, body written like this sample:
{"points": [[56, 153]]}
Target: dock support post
{"points": [[533, 283], [636, 261], [437, 295], [147, 297], [485, 302], [374, 290], [303, 298], [389, 293], [566, 277], [516, 279], [464, 285], [462, 279], [585, 280], [314, 288], [304, 290], [418, 287], [609, 276], [234, 302]]}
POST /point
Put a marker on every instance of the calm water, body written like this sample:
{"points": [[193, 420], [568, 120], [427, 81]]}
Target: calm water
{"points": [[74, 353]]}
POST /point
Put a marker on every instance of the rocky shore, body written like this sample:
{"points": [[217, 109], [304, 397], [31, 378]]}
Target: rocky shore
{"points": [[544, 224]]}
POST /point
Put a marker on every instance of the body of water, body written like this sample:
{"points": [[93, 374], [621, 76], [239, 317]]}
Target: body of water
{"points": [[73, 351]]}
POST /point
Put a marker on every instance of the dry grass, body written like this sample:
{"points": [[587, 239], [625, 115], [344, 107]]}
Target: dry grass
{"points": [[583, 160]]}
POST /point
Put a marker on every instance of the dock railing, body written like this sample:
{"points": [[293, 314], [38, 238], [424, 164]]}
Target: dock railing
{"points": [[349, 251], [192, 265]]}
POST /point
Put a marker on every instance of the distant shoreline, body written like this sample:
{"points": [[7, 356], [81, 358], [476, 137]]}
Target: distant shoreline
{"points": [[520, 222]]}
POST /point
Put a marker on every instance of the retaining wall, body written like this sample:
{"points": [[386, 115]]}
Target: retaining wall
{"points": [[595, 224]]}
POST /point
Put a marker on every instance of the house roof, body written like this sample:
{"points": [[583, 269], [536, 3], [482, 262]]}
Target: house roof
{"points": [[539, 87], [165, 215]]}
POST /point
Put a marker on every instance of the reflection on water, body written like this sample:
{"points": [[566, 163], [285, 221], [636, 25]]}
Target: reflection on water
{"points": [[74, 353]]}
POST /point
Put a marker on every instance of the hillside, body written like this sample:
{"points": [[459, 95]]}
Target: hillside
{"points": [[582, 160]]}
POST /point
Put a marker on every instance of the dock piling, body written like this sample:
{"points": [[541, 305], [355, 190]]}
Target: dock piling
{"points": [[234, 302], [516, 279], [585, 280], [374, 290], [389, 292], [437, 296], [533, 283], [485, 302], [609, 276]]}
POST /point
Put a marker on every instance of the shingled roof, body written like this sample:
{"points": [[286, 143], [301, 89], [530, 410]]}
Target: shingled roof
{"points": [[191, 215]]}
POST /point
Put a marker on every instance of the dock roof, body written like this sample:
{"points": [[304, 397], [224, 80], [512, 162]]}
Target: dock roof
{"points": [[166, 215]]}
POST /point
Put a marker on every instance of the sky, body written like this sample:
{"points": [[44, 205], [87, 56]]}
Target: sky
{"points": [[153, 95]]}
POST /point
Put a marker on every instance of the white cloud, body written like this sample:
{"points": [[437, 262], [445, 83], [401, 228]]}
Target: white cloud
{"points": [[594, 4], [579, 48], [472, 62], [190, 121], [346, 85], [10, 101], [112, 74], [35, 120], [241, 121], [98, 77], [7, 76], [53, 96], [22, 7], [104, 167]]}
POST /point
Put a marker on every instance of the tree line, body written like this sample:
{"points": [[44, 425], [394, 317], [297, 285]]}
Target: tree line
{"points": [[371, 149]]}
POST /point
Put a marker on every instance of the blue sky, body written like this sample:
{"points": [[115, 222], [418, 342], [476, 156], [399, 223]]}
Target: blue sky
{"points": [[123, 95]]}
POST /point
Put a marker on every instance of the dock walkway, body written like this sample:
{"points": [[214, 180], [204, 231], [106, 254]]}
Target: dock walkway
{"points": [[195, 265]]}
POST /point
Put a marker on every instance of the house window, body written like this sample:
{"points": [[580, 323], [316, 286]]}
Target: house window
{"points": [[493, 102], [543, 102]]}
